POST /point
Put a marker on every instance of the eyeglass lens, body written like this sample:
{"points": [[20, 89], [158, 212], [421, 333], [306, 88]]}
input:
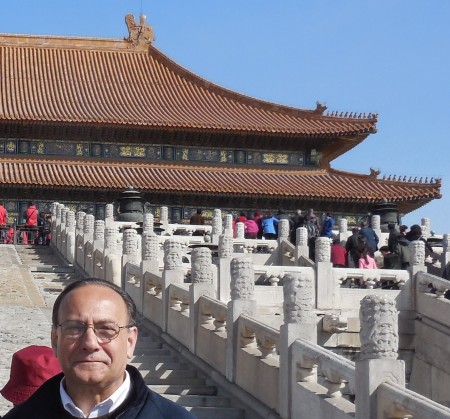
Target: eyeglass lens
{"points": [[72, 329]]}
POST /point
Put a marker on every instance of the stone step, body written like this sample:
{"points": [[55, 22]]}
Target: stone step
{"points": [[184, 389], [150, 352], [160, 366], [145, 360], [196, 400], [216, 412], [148, 343], [163, 374], [177, 381]]}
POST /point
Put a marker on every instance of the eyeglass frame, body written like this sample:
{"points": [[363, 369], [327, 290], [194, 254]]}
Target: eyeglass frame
{"points": [[92, 326]]}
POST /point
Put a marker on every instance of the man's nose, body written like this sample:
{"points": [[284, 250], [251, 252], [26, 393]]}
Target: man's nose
{"points": [[89, 337]]}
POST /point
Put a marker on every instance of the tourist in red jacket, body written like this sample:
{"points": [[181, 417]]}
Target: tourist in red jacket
{"points": [[338, 254]]}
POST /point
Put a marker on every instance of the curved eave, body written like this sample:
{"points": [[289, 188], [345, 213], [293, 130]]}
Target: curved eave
{"points": [[323, 185], [62, 81]]}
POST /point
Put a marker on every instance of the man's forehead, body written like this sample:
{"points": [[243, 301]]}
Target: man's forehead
{"points": [[95, 293]]}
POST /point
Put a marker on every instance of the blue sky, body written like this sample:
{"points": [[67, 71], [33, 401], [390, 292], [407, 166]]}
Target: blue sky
{"points": [[385, 56]]}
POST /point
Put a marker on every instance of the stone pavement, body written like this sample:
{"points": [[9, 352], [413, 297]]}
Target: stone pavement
{"points": [[29, 283]]}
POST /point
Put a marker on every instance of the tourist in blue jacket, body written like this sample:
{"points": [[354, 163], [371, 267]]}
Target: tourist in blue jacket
{"points": [[327, 228], [269, 226]]}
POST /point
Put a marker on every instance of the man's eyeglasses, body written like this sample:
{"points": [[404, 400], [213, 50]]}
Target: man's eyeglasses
{"points": [[105, 331]]}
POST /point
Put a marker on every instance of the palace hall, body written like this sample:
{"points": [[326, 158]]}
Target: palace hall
{"points": [[82, 119]]}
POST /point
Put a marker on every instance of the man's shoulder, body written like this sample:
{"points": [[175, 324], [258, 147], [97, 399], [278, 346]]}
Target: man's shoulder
{"points": [[167, 408]]}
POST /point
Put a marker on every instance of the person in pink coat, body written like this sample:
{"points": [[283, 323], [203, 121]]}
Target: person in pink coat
{"points": [[251, 229], [366, 261]]}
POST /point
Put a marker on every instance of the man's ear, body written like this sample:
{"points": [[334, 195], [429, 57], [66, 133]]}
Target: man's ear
{"points": [[131, 341]]}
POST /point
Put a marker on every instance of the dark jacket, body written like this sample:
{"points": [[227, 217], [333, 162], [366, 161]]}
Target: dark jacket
{"points": [[141, 403], [370, 236]]}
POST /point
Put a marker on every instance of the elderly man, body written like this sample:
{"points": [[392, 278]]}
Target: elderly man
{"points": [[93, 336]]}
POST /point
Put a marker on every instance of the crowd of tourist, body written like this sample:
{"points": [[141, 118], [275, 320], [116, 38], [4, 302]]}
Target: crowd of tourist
{"points": [[358, 251]]}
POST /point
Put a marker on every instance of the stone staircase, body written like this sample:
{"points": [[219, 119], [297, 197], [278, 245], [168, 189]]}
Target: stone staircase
{"points": [[164, 369]]}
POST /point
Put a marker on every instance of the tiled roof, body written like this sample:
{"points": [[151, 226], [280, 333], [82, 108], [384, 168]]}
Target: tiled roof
{"points": [[328, 185], [105, 82]]}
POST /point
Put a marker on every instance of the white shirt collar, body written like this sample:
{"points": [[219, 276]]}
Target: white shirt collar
{"points": [[106, 406]]}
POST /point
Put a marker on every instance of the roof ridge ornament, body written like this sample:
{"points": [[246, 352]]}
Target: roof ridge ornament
{"points": [[320, 108], [141, 35]]}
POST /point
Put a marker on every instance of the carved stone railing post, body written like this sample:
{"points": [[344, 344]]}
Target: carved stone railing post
{"points": [[417, 264], [301, 248], [70, 237], [59, 208], [164, 218], [109, 215], [112, 259], [343, 229], [148, 224], [240, 230], [417, 251], [150, 257], [445, 258], [242, 302], [426, 227], [375, 222], [99, 235], [283, 230], [129, 250], [63, 233], [53, 210], [300, 321], [88, 228], [79, 226], [228, 225], [216, 229], [379, 351], [328, 291], [130, 247], [202, 284], [173, 274], [110, 247], [226, 248]]}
